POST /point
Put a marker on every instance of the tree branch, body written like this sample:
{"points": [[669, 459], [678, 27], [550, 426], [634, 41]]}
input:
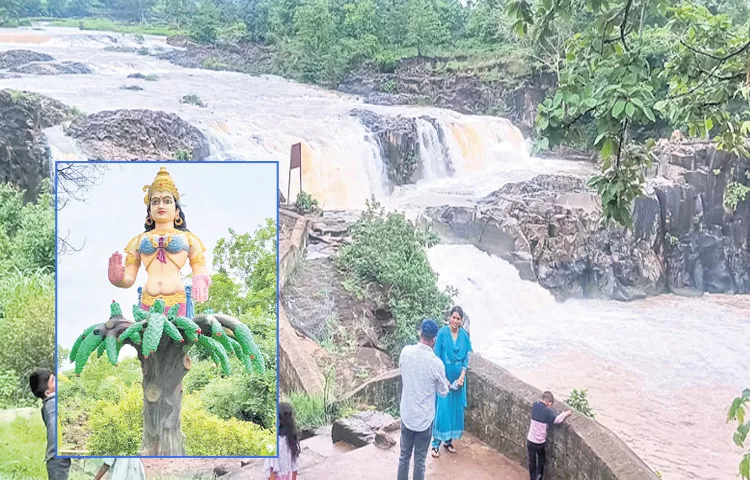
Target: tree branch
{"points": [[723, 78], [580, 116], [624, 23], [715, 57]]}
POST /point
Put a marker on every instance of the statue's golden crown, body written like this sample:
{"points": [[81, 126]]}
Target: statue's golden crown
{"points": [[162, 183]]}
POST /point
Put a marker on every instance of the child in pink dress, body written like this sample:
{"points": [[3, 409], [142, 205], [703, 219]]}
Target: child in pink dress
{"points": [[287, 465]]}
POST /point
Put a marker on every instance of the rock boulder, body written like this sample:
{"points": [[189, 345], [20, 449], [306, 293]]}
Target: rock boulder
{"points": [[41, 68], [360, 429], [24, 157], [137, 135], [16, 58]]}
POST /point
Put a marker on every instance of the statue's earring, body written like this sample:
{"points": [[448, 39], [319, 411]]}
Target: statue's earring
{"points": [[178, 221], [149, 220]]}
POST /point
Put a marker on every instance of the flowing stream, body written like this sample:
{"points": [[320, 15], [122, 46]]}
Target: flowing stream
{"points": [[659, 372]]}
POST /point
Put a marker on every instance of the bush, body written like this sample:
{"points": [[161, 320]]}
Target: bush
{"points": [[386, 62], [117, 429], [306, 203], [243, 396], [389, 250], [310, 411], [200, 375], [27, 321], [208, 435], [578, 400], [27, 230]]}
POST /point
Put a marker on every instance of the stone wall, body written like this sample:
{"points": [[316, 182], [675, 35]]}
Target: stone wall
{"points": [[297, 368], [499, 413]]}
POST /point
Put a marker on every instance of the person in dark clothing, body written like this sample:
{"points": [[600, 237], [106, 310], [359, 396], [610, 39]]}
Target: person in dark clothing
{"points": [[42, 383], [542, 416]]}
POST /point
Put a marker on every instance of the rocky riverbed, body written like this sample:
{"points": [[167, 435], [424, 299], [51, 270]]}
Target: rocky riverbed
{"points": [[684, 240]]}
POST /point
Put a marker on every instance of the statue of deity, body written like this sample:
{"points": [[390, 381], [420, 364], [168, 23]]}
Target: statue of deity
{"points": [[163, 249], [164, 328]]}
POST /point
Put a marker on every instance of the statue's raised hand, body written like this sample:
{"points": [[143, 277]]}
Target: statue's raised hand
{"points": [[201, 282], [116, 271]]}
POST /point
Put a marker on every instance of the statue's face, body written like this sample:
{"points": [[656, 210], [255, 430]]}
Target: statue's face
{"points": [[163, 207]]}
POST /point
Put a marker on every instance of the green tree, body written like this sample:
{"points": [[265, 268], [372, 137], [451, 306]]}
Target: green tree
{"points": [[27, 230], [424, 25], [245, 282], [204, 26], [610, 79]]}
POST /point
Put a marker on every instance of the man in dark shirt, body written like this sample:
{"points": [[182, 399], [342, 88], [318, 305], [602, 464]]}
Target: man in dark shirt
{"points": [[42, 383]]}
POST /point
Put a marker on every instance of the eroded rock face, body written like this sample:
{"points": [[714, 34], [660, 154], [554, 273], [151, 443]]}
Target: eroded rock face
{"points": [[16, 58], [684, 239], [706, 243], [432, 81], [549, 229], [63, 68], [137, 135], [399, 141], [24, 157]]}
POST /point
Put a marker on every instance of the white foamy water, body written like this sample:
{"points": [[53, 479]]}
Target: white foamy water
{"points": [[660, 372], [254, 118]]}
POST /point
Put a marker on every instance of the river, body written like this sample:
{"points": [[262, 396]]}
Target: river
{"points": [[660, 372]]}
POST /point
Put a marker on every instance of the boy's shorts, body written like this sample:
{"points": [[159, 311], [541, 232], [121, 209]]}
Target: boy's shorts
{"points": [[58, 468]]}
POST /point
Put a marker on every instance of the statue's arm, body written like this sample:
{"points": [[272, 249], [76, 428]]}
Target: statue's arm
{"points": [[197, 257], [132, 263]]}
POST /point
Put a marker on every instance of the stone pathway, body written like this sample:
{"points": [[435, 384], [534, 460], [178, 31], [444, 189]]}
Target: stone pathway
{"points": [[323, 460]]}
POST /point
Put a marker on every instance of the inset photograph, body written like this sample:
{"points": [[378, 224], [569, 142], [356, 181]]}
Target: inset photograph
{"points": [[167, 309]]}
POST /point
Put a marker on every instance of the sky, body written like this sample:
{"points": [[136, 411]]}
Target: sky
{"points": [[215, 197]]}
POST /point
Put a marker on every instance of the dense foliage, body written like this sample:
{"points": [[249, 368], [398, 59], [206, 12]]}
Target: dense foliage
{"points": [[389, 251], [27, 290], [634, 65]]}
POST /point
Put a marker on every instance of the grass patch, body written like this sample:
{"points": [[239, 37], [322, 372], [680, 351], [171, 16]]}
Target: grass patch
{"points": [[105, 24], [310, 410], [22, 445]]}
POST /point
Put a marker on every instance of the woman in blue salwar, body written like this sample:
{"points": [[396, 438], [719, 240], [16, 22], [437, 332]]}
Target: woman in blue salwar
{"points": [[452, 346]]}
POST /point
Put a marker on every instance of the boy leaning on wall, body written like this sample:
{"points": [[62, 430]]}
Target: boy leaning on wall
{"points": [[542, 416]]}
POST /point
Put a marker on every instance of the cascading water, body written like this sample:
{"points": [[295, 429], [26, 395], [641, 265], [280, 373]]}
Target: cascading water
{"points": [[660, 372]]}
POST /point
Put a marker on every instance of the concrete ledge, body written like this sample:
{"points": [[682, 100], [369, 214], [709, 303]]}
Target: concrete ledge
{"points": [[297, 368], [291, 249], [499, 413]]}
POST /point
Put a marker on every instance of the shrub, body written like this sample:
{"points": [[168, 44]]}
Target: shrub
{"points": [[200, 375], [27, 321], [117, 429], [386, 62], [243, 396], [389, 250], [310, 411], [306, 203], [208, 435], [27, 230], [578, 400]]}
